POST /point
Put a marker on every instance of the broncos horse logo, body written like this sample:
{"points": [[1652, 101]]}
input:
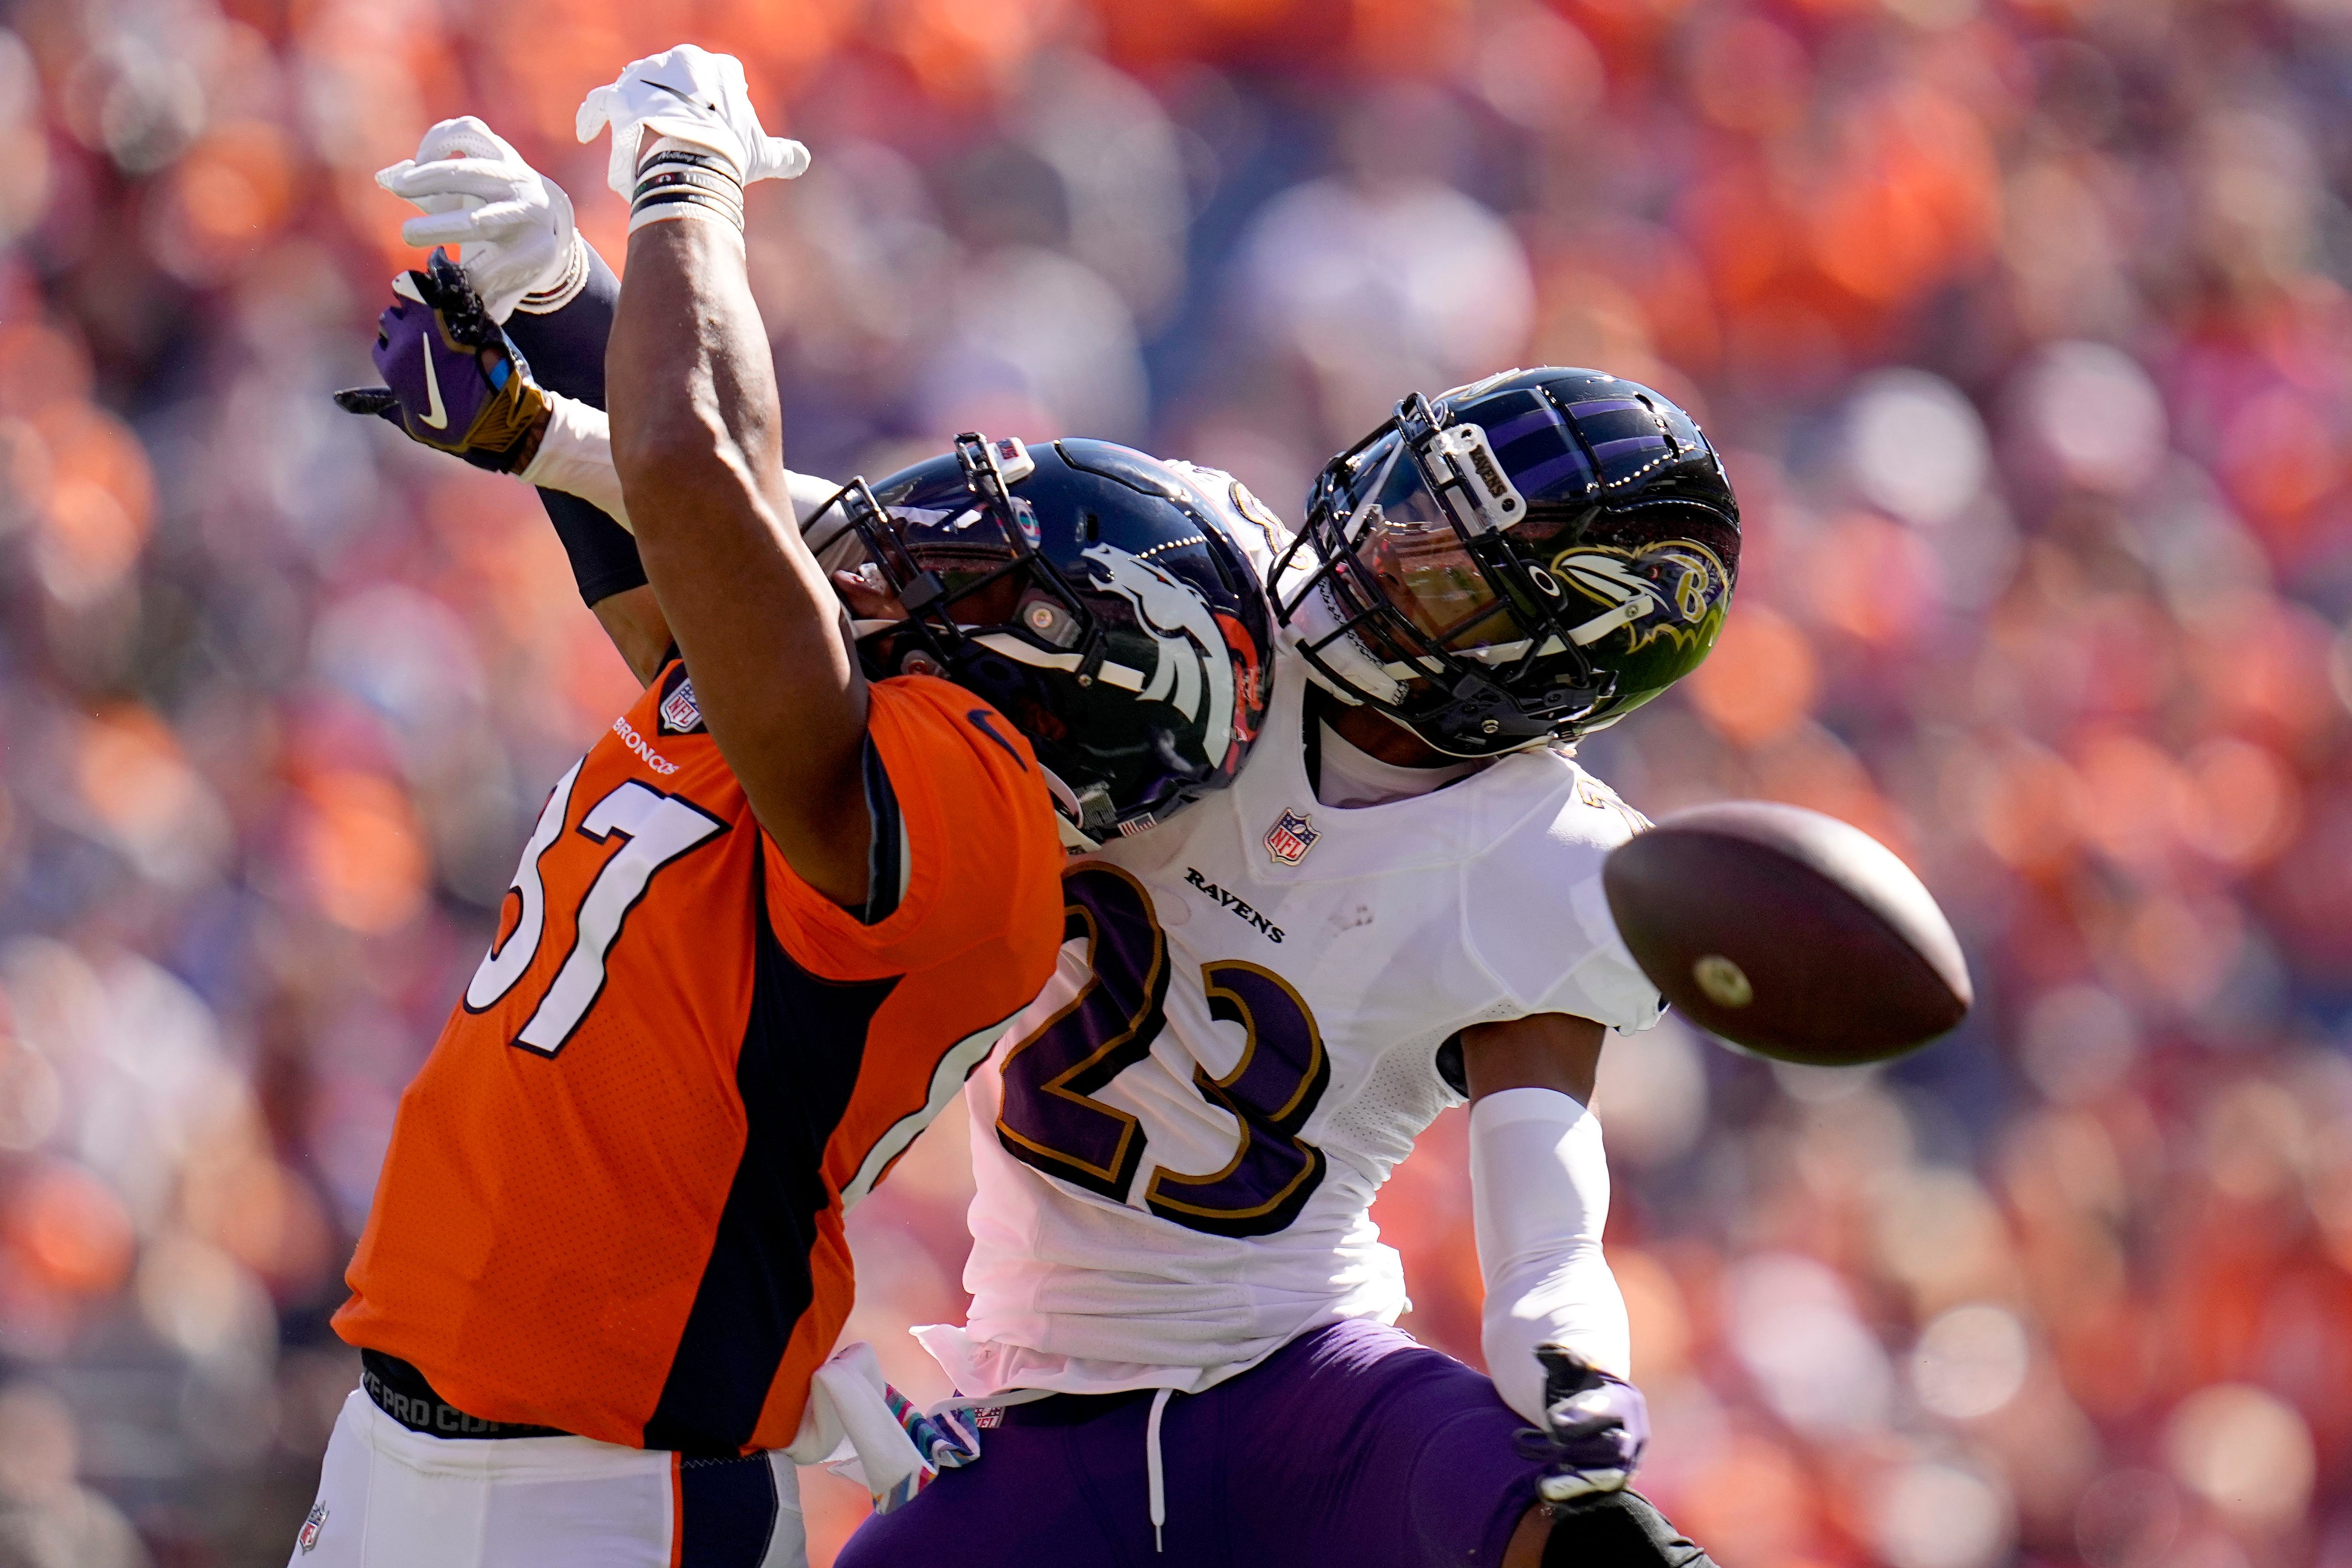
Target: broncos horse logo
{"points": [[1192, 671]]}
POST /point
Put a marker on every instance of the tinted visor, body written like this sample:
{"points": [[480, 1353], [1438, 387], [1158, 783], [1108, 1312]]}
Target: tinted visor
{"points": [[949, 536], [1405, 542], [973, 560]]}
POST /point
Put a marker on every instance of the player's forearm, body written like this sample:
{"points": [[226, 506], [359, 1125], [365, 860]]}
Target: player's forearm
{"points": [[695, 429], [1539, 1191], [582, 491], [575, 457], [633, 619], [566, 346], [1539, 1202]]}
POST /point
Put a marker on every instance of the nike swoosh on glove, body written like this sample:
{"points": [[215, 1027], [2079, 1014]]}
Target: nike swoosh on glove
{"points": [[694, 95], [521, 246], [452, 380], [1595, 1427]]}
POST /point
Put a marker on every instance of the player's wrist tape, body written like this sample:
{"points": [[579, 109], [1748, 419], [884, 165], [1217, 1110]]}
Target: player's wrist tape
{"points": [[689, 184], [678, 180], [566, 286]]}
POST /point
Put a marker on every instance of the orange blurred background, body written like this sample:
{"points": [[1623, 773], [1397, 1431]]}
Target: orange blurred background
{"points": [[2023, 323]]}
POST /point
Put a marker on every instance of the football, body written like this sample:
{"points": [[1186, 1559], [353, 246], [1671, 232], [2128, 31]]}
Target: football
{"points": [[1790, 933]]}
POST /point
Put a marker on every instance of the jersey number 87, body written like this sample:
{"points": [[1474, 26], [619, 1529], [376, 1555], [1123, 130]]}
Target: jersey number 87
{"points": [[1051, 1121], [658, 828]]}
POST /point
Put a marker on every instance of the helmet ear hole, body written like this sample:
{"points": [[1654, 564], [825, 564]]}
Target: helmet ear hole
{"points": [[1051, 621]]}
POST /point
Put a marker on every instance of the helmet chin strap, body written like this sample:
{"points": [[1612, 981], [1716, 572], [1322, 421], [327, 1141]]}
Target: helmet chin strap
{"points": [[1070, 813], [1086, 817]]}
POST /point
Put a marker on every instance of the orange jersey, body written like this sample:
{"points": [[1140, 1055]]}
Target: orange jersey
{"points": [[612, 1203]]}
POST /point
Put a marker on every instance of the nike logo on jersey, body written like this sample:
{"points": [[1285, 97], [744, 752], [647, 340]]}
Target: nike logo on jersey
{"points": [[435, 415], [984, 721], [1238, 905]]}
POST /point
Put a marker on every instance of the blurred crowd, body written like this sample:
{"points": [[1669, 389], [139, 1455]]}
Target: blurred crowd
{"points": [[2024, 325]]}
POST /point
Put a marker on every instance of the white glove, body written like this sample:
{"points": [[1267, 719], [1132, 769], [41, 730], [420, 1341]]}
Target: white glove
{"points": [[691, 95], [520, 246]]}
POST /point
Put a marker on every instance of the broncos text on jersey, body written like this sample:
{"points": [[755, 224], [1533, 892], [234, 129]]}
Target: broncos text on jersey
{"points": [[614, 1200]]}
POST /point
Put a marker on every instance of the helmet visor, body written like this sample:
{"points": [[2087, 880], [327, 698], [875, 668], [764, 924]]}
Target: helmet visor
{"points": [[1404, 540], [963, 547], [971, 556]]}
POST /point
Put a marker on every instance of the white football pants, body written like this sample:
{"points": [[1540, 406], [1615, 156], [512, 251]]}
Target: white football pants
{"points": [[390, 1498]]}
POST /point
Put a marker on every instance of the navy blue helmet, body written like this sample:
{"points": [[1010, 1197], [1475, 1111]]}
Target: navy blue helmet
{"points": [[1090, 594]]}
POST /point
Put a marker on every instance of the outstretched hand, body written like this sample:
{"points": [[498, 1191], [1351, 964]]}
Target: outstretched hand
{"points": [[453, 382], [691, 95]]}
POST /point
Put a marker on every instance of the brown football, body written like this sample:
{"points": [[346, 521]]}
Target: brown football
{"points": [[1788, 932]]}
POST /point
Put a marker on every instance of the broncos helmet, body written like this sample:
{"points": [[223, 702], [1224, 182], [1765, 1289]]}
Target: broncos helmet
{"points": [[1088, 593], [1528, 559]]}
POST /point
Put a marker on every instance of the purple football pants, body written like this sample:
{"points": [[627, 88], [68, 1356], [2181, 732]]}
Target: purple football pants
{"points": [[1351, 1445]]}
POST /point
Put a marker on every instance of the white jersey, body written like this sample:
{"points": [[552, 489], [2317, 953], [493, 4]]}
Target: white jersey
{"points": [[1177, 1144]]}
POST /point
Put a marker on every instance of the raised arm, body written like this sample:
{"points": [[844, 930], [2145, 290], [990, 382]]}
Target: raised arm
{"points": [[564, 339], [540, 280], [698, 440], [493, 414]]}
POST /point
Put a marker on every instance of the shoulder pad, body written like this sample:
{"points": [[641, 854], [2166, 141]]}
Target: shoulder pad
{"points": [[1250, 522], [1536, 916]]}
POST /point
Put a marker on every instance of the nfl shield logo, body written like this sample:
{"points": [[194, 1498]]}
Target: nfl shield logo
{"points": [[680, 714], [1290, 838], [311, 1526]]}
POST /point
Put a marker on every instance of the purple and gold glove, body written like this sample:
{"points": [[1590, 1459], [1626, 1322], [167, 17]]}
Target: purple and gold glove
{"points": [[454, 382], [1596, 1426]]}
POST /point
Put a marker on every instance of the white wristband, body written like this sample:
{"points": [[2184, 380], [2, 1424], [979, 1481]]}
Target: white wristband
{"points": [[565, 286], [681, 179]]}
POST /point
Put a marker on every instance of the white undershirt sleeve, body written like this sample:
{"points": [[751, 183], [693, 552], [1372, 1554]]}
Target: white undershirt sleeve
{"points": [[575, 456], [1540, 1200]]}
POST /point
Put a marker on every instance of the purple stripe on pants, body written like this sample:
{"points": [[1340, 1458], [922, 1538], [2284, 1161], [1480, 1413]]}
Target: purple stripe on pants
{"points": [[1352, 1443]]}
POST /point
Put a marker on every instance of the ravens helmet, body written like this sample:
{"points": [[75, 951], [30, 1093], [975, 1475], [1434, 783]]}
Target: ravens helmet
{"points": [[1528, 559], [1090, 594]]}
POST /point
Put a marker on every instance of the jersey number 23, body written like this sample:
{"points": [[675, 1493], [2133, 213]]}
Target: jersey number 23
{"points": [[1051, 1122]]}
